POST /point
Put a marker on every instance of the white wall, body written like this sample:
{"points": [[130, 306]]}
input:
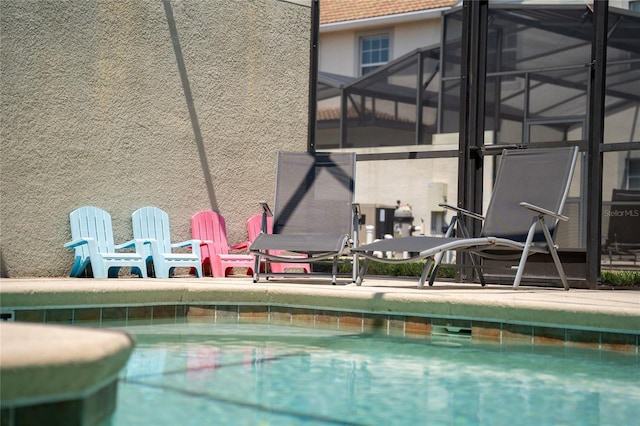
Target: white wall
{"points": [[338, 51]]}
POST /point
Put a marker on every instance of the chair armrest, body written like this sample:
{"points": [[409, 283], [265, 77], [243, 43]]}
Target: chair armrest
{"points": [[241, 246], [188, 243], [78, 242], [137, 242], [140, 244], [92, 246], [194, 244], [265, 208], [462, 211], [544, 211], [266, 212]]}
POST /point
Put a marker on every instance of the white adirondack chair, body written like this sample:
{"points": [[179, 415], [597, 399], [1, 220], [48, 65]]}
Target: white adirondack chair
{"points": [[151, 224], [92, 241]]}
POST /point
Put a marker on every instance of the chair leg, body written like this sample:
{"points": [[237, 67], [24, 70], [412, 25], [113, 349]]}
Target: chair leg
{"points": [[160, 269], [363, 270], [425, 272], [354, 270], [478, 268], [112, 272], [140, 271], [554, 253], [217, 269], [525, 253], [99, 269], [198, 270], [79, 266], [334, 270], [150, 268], [256, 268], [436, 264], [434, 271]]}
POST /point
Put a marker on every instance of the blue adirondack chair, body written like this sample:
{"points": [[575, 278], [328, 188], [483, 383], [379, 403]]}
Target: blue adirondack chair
{"points": [[92, 241], [151, 224]]}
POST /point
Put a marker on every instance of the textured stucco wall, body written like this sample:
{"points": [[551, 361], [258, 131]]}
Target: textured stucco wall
{"points": [[94, 112]]}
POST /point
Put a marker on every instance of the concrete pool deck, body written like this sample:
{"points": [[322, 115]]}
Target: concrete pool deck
{"points": [[53, 374], [595, 310]]}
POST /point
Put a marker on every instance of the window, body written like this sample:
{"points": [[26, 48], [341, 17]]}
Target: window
{"points": [[634, 173], [374, 51], [634, 6]]}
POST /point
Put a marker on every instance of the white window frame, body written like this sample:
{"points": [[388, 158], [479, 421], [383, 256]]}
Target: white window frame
{"points": [[359, 40]]}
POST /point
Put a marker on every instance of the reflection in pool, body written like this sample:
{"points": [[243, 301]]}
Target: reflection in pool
{"points": [[196, 374]]}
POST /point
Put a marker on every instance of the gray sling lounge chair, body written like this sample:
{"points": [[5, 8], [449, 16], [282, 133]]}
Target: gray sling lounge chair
{"points": [[526, 204], [315, 214]]}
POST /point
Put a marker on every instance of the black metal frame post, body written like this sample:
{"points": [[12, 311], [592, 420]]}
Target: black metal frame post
{"points": [[472, 107], [313, 75], [596, 138], [419, 99]]}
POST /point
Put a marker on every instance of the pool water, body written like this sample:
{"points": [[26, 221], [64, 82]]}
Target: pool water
{"points": [[216, 374]]}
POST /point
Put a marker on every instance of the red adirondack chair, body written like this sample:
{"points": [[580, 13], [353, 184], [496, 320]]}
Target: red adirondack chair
{"points": [[210, 227]]}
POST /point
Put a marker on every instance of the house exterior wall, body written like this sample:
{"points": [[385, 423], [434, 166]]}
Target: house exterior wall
{"points": [[338, 50], [337, 53], [103, 103]]}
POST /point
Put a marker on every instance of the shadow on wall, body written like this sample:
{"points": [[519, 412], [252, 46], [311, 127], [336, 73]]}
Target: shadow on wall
{"points": [[182, 69], [3, 267]]}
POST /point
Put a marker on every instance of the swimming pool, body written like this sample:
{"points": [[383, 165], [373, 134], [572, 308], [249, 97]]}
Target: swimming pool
{"points": [[230, 374]]}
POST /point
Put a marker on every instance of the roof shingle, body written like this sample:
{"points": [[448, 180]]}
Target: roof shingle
{"points": [[348, 10]]}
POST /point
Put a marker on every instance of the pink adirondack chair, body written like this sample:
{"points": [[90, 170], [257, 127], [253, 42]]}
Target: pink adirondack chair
{"points": [[210, 227], [254, 227]]}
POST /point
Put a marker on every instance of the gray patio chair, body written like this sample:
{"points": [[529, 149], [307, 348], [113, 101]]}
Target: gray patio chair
{"points": [[623, 237], [314, 213], [528, 196]]}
